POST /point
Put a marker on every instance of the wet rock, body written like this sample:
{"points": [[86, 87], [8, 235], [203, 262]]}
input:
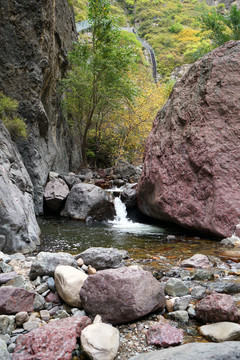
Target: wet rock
{"points": [[233, 255], [68, 282], [179, 315], [5, 277], [225, 286], [7, 324], [121, 295], [53, 341], [203, 351], [176, 287], [100, 341], [203, 275], [14, 300], [197, 261], [184, 178], [164, 335], [86, 201], [216, 308], [231, 241], [222, 331], [45, 263], [4, 354], [129, 197], [56, 191], [102, 258]]}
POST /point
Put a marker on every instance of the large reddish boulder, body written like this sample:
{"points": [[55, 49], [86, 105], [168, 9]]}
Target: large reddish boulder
{"points": [[122, 295], [54, 341], [216, 308], [14, 300], [191, 166], [164, 335]]}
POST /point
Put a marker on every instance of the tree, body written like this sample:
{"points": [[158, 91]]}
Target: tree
{"points": [[98, 80], [221, 27]]}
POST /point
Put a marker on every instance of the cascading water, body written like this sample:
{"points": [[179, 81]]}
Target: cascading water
{"points": [[123, 224]]}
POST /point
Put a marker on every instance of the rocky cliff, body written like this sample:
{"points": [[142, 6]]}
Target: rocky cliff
{"points": [[19, 230], [34, 39], [191, 168], [228, 3]]}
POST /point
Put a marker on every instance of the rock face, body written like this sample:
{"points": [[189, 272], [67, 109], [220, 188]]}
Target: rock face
{"points": [[34, 40], [19, 230], [228, 3], [191, 166], [121, 295], [87, 201], [216, 308], [53, 341]]}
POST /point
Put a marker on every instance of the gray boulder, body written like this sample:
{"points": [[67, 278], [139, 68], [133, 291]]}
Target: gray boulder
{"points": [[55, 193], [45, 263], [19, 231], [202, 351], [176, 287], [87, 201], [4, 354], [102, 258], [122, 295]]}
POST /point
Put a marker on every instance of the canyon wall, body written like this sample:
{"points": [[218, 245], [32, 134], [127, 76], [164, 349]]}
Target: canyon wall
{"points": [[35, 36]]}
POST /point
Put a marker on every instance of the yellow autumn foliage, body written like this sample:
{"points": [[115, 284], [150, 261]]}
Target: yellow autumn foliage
{"points": [[129, 126]]}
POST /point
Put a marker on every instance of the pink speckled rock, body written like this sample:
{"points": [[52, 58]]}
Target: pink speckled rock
{"points": [[122, 295], [217, 307], [191, 168], [14, 300], [54, 341], [164, 335]]}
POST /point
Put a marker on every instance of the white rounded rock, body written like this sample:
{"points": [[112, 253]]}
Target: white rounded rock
{"points": [[100, 341], [68, 282], [221, 331]]}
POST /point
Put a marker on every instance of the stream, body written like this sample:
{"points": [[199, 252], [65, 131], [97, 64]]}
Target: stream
{"points": [[154, 246], [157, 249]]}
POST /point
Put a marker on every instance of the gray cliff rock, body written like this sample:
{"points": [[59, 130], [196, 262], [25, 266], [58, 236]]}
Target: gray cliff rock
{"points": [[34, 39], [19, 230], [191, 167], [227, 3]]}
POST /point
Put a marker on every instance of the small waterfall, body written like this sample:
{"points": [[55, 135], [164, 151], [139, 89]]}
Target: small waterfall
{"points": [[121, 212]]}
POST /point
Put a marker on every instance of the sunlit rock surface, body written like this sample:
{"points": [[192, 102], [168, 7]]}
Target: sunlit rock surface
{"points": [[191, 167]]}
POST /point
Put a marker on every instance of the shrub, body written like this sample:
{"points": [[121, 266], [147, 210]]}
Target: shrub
{"points": [[9, 116]]}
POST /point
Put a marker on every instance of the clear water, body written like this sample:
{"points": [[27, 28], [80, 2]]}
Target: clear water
{"points": [[147, 244]]}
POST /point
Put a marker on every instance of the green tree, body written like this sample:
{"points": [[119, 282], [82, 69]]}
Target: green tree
{"points": [[220, 26], [98, 80], [9, 116]]}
